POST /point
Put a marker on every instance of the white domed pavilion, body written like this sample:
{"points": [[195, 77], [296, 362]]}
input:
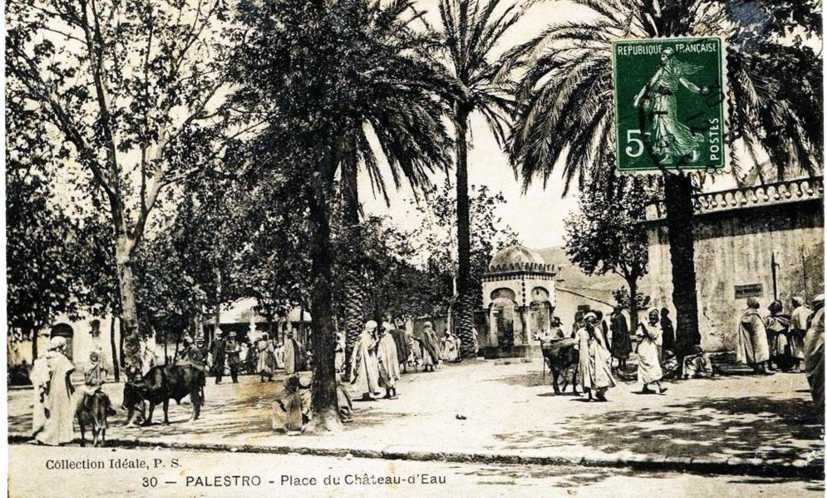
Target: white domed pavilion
{"points": [[518, 296]]}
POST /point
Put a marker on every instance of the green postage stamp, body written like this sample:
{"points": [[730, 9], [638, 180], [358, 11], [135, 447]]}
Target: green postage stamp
{"points": [[669, 96]]}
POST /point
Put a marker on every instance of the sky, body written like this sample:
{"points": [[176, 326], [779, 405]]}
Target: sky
{"points": [[537, 216]]}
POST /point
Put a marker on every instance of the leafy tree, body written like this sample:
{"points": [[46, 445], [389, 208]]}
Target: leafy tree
{"points": [[606, 234], [471, 33], [129, 90], [437, 291], [39, 254], [567, 118], [310, 70], [406, 120]]}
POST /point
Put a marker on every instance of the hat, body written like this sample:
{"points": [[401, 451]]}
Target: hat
{"points": [[371, 325], [818, 299], [57, 343], [218, 331], [590, 316], [428, 325]]}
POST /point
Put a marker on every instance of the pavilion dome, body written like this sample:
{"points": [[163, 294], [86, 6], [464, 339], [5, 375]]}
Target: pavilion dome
{"points": [[517, 258]]}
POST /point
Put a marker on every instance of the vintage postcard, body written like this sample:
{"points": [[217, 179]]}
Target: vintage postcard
{"points": [[414, 248]]}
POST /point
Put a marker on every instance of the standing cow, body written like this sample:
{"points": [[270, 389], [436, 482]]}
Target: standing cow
{"points": [[161, 384]]}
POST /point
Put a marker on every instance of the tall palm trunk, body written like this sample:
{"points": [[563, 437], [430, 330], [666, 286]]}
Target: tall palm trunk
{"points": [[323, 334], [680, 228], [463, 311], [354, 294]]}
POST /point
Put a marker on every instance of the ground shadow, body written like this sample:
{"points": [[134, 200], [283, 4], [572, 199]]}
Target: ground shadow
{"points": [[746, 427]]}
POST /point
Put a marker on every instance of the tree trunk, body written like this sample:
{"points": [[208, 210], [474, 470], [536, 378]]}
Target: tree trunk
{"points": [[116, 368], [633, 309], [323, 336], [130, 333], [680, 231], [33, 335], [463, 312], [354, 294]]}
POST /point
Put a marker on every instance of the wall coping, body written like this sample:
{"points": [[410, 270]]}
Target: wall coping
{"points": [[783, 192]]}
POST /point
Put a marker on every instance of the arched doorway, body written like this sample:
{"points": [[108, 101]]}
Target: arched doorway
{"points": [[65, 330], [540, 311], [503, 315]]}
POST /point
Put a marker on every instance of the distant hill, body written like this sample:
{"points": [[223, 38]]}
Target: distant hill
{"points": [[573, 279]]}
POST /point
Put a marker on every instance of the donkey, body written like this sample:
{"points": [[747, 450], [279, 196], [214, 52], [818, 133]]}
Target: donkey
{"points": [[92, 413]]}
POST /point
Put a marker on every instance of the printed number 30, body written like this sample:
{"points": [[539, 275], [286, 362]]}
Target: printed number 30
{"points": [[635, 145]]}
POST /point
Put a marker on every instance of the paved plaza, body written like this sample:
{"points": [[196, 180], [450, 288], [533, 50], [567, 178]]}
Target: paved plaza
{"points": [[508, 409]]}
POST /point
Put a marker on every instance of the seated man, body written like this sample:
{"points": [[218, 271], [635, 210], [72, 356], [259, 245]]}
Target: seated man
{"points": [[291, 412], [93, 378]]}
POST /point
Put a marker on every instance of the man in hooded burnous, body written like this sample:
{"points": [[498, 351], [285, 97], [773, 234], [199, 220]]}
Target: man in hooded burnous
{"points": [[814, 355], [292, 352], [429, 346], [752, 347], [388, 360], [672, 142], [53, 407], [364, 368]]}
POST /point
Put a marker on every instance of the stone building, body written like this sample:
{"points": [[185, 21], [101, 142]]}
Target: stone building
{"points": [[518, 295], [765, 241]]}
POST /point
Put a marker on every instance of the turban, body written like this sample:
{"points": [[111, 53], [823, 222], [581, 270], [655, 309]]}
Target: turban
{"points": [[57, 343]]}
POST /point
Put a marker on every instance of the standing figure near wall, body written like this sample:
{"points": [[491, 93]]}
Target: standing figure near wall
{"points": [[814, 355], [777, 325], [798, 328], [752, 347]]}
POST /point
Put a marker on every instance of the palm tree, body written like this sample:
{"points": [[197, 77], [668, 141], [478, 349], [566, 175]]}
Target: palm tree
{"points": [[319, 73], [567, 112], [471, 32], [407, 121]]}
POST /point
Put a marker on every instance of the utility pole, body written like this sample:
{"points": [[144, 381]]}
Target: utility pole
{"points": [[774, 277]]}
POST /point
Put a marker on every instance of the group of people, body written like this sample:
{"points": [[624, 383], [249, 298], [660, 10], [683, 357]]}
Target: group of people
{"points": [[272, 356], [779, 341], [56, 400], [598, 345], [774, 341], [375, 361]]}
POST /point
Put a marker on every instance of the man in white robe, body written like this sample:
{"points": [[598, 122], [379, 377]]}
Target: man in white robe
{"points": [[752, 346], [54, 406], [364, 369], [595, 359], [798, 329], [388, 363], [291, 355], [649, 371]]}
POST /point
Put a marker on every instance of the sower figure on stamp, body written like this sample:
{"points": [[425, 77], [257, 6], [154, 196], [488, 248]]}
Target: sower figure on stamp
{"points": [[671, 140]]}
